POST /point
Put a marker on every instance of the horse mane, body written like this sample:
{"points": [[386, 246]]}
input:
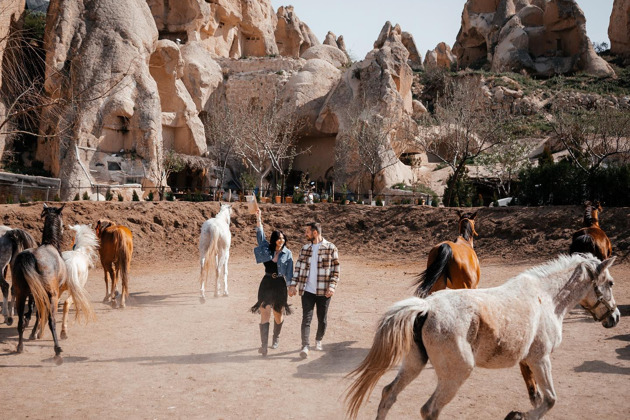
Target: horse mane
{"points": [[85, 241], [225, 208], [590, 213], [562, 262], [53, 227], [466, 229]]}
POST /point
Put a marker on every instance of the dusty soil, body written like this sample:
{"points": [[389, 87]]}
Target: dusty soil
{"points": [[169, 356]]}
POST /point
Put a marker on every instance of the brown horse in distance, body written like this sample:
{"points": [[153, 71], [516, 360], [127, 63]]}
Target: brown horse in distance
{"points": [[115, 250], [452, 264], [591, 238]]}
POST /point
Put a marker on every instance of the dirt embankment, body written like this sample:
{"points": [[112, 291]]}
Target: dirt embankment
{"points": [[170, 230]]}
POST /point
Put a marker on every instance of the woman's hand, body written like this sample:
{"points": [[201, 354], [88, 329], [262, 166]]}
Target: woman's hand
{"points": [[259, 217]]}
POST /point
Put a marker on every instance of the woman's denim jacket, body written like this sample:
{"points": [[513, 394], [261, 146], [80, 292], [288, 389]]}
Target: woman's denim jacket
{"points": [[263, 254]]}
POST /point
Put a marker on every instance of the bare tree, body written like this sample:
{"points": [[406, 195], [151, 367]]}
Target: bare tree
{"points": [[594, 137], [224, 127], [463, 126], [368, 142], [169, 163], [505, 160]]}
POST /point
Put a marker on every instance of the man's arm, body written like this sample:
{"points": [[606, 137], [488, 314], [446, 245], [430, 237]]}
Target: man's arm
{"points": [[334, 271]]}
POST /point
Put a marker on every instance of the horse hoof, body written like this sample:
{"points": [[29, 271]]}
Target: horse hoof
{"points": [[225, 294], [202, 299], [63, 335], [122, 306], [32, 337], [9, 321], [20, 348], [106, 299], [114, 304], [514, 415], [58, 360], [216, 295]]}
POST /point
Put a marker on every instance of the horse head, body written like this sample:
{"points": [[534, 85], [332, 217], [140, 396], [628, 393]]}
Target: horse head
{"points": [[226, 211], [467, 225], [53, 225], [599, 300], [591, 213], [101, 225]]}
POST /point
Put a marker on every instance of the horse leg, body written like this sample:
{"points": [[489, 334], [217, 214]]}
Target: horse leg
{"points": [[541, 371], [64, 320], [202, 280], [532, 389], [452, 369], [29, 313], [224, 272], [20, 303], [217, 271], [113, 274], [4, 285], [412, 365], [105, 271], [53, 329], [34, 334]]}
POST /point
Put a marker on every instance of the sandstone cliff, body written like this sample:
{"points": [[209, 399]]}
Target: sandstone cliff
{"points": [[619, 29]]}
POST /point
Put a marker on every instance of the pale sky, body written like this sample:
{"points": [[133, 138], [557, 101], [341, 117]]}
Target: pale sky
{"points": [[429, 21]]}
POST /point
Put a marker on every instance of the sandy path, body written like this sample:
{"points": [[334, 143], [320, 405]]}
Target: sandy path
{"points": [[168, 356]]}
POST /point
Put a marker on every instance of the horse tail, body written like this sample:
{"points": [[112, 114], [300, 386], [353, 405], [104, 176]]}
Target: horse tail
{"points": [[79, 295], [438, 268], [25, 273], [211, 251], [396, 333], [124, 245]]}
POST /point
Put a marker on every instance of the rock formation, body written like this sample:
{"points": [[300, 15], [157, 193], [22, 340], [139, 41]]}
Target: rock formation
{"points": [[334, 41], [110, 112], [293, 36], [441, 56], [182, 130], [10, 12], [543, 38], [415, 59], [619, 29], [381, 86]]}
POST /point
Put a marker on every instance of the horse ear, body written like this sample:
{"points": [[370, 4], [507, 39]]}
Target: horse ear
{"points": [[474, 215], [606, 264], [61, 208], [459, 213]]}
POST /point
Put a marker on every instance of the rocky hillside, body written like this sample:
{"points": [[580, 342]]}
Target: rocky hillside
{"points": [[170, 230]]}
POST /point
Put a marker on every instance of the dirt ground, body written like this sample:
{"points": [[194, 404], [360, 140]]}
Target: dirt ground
{"points": [[168, 356]]}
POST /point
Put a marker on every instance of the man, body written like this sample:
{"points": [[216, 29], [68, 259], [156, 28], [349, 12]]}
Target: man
{"points": [[316, 274]]}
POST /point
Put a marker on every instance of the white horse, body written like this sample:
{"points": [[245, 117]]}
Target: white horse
{"points": [[214, 250], [78, 263], [518, 322]]}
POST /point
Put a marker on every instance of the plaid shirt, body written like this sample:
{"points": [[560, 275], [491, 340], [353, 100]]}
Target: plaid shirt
{"points": [[327, 267]]}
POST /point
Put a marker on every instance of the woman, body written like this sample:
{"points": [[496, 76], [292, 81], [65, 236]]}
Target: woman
{"points": [[272, 292]]}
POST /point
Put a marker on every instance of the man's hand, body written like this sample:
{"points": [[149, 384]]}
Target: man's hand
{"points": [[330, 292], [292, 291]]}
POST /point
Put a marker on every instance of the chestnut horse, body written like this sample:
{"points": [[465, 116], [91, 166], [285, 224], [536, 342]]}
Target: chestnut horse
{"points": [[591, 238], [39, 272], [115, 250], [454, 263], [458, 330]]}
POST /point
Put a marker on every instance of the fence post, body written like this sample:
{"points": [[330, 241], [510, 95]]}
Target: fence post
{"points": [[370, 195], [47, 191], [97, 195], [229, 195]]}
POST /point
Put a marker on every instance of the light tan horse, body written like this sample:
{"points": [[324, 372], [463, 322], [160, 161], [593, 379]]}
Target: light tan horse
{"points": [[452, 265], [116, 249], [517, 322]]}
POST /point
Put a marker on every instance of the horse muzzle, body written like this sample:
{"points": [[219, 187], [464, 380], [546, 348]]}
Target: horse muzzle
{"points": [[612, 320]]}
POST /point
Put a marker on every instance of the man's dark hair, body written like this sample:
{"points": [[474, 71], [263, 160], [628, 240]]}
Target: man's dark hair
{"points": [[315, 226]]}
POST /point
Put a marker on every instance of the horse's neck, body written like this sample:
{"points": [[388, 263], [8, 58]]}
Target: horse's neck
{"points": [[567, 294], [224, 215], [462, 239], [51, 234]]}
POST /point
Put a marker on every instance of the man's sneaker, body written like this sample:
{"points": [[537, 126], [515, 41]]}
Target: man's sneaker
{"points": [[304, 352], [318, 345]]}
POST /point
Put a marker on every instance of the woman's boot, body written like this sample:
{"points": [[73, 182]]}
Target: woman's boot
{"points": [[276, 334], [264, 338]]}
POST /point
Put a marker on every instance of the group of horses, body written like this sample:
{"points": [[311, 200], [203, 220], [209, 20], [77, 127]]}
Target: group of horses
{"points": [[517, 322], [42, 272]]}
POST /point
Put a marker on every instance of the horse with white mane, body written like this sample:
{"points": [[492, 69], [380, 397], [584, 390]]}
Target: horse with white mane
{"points": [[214, 251], [78, 263], [517, 322]]}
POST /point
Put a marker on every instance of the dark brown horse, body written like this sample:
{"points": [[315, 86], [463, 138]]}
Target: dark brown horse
{"points": [[115, 250], [452, 264], [591, 238], [12, 243], [39, 272]]}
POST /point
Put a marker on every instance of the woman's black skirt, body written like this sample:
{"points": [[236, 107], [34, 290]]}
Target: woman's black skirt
{"points": [[272, 292]]}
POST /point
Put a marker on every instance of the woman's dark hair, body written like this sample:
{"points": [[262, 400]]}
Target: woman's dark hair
{"points": [[274, 237]]}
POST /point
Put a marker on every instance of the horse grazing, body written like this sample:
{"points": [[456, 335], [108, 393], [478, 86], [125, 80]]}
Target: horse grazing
{"points": [[517, 322], [454, 263], [12, 242], [78, 264], [115, 250], [214, 250], [39, 272], [591, 238]]}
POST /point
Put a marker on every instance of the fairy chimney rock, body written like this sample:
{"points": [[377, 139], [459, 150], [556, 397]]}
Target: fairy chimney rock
{"points": [[293, 36], [619, 29], [441, 56], [415, 59]]}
